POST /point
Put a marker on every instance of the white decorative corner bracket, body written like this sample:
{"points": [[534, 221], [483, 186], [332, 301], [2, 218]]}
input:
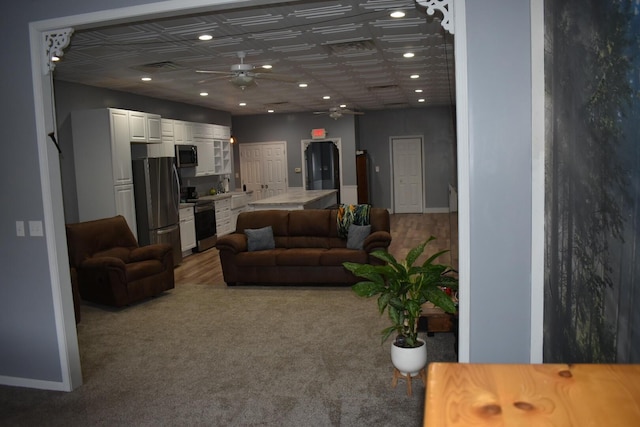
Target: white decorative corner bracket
{"points": [[54, 43], [444, 6]]}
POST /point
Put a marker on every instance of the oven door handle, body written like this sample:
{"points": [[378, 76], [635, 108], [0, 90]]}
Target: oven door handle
{"points": [[203, 208]]}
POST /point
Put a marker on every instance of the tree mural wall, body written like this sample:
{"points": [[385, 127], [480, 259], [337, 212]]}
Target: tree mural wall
{"points": [[592, 181]]}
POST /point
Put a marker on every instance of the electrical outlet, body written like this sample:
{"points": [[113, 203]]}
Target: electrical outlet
{"points": [[35, 228], [20, 228]]}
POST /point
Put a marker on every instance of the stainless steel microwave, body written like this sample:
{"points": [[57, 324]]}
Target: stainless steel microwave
{"points": [[186, 156]]}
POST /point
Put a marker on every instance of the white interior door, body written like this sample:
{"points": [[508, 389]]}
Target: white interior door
{"points": [[407, 174], [274, 170], [263, 168]]}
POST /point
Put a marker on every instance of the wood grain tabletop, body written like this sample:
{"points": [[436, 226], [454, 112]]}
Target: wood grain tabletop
{"points": [[581, 395]]}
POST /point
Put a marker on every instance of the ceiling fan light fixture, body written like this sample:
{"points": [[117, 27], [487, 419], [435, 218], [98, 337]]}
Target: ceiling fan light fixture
{"points": [[242, 80]]}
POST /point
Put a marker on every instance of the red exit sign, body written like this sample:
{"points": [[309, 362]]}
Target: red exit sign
{"points": [[318, 133]]}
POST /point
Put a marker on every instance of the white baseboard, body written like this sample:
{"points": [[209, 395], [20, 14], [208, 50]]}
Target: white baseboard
{"points": [[31, 383], [436, 210]]}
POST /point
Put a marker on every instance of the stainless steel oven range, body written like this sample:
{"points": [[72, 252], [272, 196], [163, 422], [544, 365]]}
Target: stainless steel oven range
{"points": [[205, 221]]}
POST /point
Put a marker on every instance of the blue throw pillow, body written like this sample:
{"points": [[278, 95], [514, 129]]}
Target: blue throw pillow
{"points": [[259, 239], [356, 235]]}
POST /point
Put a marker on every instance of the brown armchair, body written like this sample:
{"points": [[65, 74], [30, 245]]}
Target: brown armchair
{"points": [[111, 268]]}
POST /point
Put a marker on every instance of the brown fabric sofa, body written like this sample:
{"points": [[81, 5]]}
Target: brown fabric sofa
{"points": [[109, 266], [307, 249]]}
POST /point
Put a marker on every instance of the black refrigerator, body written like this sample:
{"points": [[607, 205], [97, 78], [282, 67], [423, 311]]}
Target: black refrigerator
{"points": [[157, 195]]}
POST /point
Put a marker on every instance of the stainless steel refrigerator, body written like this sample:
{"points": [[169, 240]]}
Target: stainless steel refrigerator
{"points": [[157, 194]]}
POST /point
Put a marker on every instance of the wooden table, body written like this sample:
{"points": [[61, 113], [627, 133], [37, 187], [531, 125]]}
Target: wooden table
{"points": [[580, 395]]}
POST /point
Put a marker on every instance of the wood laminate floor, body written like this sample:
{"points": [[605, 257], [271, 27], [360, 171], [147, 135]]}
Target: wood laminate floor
{"points": [[407, 231]]}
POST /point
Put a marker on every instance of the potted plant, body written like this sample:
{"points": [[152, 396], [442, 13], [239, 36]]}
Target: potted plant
{"points": [[402, 288]]}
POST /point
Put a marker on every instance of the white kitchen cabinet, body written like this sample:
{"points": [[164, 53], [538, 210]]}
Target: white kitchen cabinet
{"points": [[102, 160], [167, 147], [206, 163], [188, 133], [145, 128], [223, 217], [125, 204], [202, 131], [187, 229]]}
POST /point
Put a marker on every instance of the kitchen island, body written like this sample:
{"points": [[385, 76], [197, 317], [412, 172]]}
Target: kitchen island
{"points": [[297, 199]]}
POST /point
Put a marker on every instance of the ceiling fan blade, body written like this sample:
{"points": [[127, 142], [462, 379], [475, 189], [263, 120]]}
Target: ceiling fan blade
{"points": [[276, 77], [214, 72]]}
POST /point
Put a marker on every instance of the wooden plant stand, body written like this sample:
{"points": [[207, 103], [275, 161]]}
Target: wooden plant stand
{"points": [[422, 374]]}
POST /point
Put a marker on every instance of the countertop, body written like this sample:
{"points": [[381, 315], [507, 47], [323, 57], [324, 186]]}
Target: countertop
{"points": [[294, 197], [222, 196]]}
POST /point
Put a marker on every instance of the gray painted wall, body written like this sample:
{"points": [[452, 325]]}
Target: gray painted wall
{"points": [[71, 97], [293, 128], [370, 132], [28, 340], [499, 70], [499, 114], [435, 125]]}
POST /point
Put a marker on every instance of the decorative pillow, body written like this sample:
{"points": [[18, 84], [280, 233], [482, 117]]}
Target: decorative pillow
{"points": [[356, 235], [351, 214], [259, 239]]}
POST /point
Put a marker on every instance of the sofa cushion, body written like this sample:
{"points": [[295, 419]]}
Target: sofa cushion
{"points": [[310, 223], [259, 239], [300, 256], [356, 235], [337, 256], [257, 258], [277, 219]]}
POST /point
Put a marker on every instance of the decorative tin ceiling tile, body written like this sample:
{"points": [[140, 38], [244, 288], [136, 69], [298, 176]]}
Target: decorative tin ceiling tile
{"points": [[340, 48]]}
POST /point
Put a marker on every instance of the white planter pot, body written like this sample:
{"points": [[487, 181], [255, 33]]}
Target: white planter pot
{"points": [[409, 361]]}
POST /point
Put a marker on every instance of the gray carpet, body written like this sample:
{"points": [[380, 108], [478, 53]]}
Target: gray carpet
{"points": [[245, 356]]}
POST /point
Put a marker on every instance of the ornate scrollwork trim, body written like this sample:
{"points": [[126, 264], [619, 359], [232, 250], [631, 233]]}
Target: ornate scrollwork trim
{"points": [[54, 43], [444, 6]]}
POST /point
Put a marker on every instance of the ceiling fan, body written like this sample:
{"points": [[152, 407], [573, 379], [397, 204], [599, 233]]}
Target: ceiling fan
{"points": [[337, 112], [244, 75]]}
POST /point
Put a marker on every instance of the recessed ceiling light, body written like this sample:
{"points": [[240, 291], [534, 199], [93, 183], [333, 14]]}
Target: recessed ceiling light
{"points": [[242, 104], [421, 100], [343, 105], [326, 97], [204, 93], [55, 58], [397, 14], [418, 90], [269, 111], [205, 37], [302, 85], [409, 55], [415, 76], [146, 79], [267, 66]]}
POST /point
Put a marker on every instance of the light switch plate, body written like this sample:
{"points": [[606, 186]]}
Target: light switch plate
{"points": [[20, 228], [35, 228]]}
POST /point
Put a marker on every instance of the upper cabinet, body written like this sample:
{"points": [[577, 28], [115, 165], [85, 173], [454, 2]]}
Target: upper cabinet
{"points": [[145, 128], [166, 147]]}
